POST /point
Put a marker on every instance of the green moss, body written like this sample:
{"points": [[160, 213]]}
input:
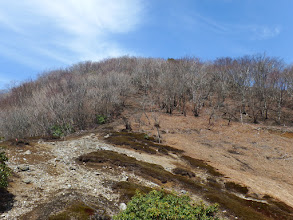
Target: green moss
{"points": [[249, 209], [183, 172], [279, 204], [128, 189], [140, 142], [236, 187], [213, 183], [202, 165], [213, 191], [78, 211], [233, 205], [147, 170]]}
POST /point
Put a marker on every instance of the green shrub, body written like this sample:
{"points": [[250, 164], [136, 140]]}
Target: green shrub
{"points": [[4, 171], [162, 205], [101, 119], [146, 137], [61, 130]]}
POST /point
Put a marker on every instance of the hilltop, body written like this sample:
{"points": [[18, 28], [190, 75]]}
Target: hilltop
{"points": [[81, 140]]}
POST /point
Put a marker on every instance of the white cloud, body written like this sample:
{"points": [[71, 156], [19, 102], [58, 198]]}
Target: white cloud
{"points": [[69, 30], [252, 31], [264, 32]]}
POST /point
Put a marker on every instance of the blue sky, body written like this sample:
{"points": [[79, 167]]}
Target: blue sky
{"points": [[41, 35]]}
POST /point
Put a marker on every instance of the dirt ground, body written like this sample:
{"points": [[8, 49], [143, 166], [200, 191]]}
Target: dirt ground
{"points": [[257, 156], [48, 178]]}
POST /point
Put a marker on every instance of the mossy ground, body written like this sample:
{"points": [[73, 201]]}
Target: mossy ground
{"points": [[141, 142], [236, 187], [78, 211], [212, 191], [128, 189], [200, 164], [73, 205]]}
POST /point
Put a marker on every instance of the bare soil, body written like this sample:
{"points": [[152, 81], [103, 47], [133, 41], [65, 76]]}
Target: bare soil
{"points": [[245, 168], [257, 156]]}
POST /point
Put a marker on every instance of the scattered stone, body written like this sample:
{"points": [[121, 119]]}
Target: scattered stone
{"points": [[27, 181], [72, 168], [125, 178], [92, 135], [40, 141], [97, 173], [122, 206], [23, 168], [27, 152], [107, 136], [183, 191]]}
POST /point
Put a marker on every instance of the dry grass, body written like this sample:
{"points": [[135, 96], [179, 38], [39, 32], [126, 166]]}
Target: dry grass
{"points": [[248, 154]]}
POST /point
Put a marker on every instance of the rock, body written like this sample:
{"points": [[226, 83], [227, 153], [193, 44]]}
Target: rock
{"points": [[72, 168], [122, 206], [124, 178], [27, 152], [97, 173], [107, 136], [183, 191], [23, 168], [27, 181], [92, 135]]}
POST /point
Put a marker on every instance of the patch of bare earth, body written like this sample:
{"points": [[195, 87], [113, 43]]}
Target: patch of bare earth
{"points": [[88, 175], [254, 155]]}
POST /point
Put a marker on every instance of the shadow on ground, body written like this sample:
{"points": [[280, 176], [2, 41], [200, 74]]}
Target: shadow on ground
{"points": [[6, 200]]}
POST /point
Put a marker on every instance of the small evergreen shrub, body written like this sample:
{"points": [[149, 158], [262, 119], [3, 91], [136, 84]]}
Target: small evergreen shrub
{"points": [[61, 130], [146, 137], [162, 205], [4, 171], [101, 119]]}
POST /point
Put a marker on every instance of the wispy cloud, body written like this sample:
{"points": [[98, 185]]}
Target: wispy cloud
{"points": [[251, 31], [265, 32], [66, 31]]}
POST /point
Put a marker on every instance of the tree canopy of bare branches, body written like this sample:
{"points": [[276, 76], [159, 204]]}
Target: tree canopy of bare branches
{"points": [[256, 86]]}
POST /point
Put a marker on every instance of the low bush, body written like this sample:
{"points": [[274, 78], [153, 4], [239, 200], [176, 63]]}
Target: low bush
{"points": [[58, 131], [162, 205], [101, 119], [4, 171]]}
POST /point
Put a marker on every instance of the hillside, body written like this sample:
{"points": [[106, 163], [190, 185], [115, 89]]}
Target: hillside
{"points": [[249, 89], [81, 140]]}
